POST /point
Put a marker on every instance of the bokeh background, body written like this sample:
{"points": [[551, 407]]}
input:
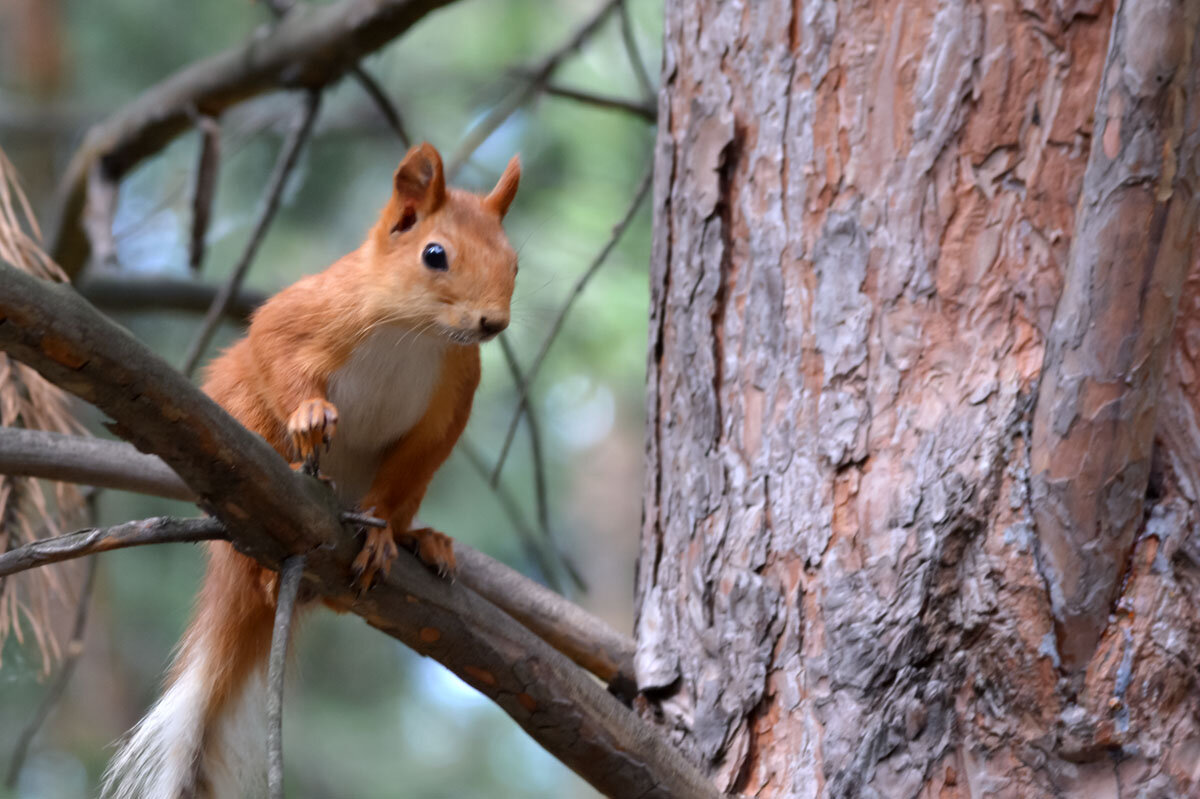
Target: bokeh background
{"points": [[365, 717]]}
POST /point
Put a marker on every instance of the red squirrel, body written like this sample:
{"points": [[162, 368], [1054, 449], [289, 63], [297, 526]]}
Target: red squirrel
{"points": [[377, 359]]}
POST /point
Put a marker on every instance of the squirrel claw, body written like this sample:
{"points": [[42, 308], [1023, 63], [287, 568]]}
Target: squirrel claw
{"points": [[311, 425], [435, 549], [309, 468], [378, 552]]}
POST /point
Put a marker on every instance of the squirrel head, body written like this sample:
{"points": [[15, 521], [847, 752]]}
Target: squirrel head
{"points": [[441, 255]]}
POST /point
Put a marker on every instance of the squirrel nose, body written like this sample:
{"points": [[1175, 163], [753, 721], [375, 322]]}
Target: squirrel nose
{"points": [[491, 325]]}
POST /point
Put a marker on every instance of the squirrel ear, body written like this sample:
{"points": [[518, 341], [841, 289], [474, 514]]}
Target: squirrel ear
{"points": [[419, 181], [506, 188]]}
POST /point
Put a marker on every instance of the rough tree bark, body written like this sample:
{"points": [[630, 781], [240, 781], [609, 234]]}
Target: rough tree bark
{"points": [[923, 417]]}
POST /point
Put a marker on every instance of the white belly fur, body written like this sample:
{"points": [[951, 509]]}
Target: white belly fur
{"points": [[381, 393]]}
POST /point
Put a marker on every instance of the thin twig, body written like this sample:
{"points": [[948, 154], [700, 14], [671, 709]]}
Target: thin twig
{"points": [[157, 530], [288, 156], [523, 390], [535, 439], [635, 54], [371, 86], [204, 189], [642, 110], [537, 454], [538, 76], [382, 102], [285, 607], [364, 519], [529, 540], [56, 690], [99, 213]]}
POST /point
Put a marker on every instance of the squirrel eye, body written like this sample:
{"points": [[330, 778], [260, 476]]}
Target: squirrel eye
{"points": [[434, 257]]}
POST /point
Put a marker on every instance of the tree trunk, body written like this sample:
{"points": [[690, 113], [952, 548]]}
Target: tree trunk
{"points": [[924, 398]]}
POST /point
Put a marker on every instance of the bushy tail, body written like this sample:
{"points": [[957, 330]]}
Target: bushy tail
{"points": [[205, 738]]}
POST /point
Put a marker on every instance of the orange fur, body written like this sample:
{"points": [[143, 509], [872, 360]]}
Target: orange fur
{"points": [[278, 381]]}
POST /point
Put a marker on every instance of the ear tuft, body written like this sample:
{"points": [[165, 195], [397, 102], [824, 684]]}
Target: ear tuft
{"points": [[506, 188], [419, 181]]}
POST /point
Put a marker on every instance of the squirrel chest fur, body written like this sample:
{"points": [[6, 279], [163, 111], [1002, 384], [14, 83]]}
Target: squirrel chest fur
{"points": [[381, 393]]}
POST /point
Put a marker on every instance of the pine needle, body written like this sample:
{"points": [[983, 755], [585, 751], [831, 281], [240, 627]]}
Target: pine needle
{"points": [[28, 602]]}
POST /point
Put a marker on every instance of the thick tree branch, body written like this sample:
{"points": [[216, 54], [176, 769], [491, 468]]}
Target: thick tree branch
{"points": [[90, 461], [567, 627], [1134, 240], [371, 86], [272, 512], [312, 47], [128, 293], [114, 464]]}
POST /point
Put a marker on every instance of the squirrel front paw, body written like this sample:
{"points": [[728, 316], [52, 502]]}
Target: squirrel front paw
{"points": [[310, 426]]}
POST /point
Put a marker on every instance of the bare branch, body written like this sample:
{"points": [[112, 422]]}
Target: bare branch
{"points": [[157, 530], [1094, 423], [635, 55], [90, 461], [382, 102], [285, 611], [204, 187], [286, 161], [363, 519], [639, 109], [129, 293], [312, 47], [523, 390], [57, 688], [540, 494], [508, 503], [378, 96], [115, 464], [272, 512], [570, 629], [538, 76], [99, 213]]}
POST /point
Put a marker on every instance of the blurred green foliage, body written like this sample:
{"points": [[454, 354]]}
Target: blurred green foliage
{"points": [[366, 717]]}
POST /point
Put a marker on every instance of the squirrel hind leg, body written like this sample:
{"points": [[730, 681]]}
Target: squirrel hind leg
{"points": [[435, 549]]}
